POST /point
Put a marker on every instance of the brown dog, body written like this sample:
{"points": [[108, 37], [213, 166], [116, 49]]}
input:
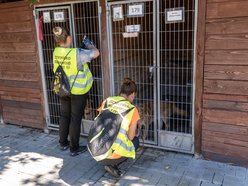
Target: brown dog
{"points": [[146, 118], [89, 112], [146, 112]]}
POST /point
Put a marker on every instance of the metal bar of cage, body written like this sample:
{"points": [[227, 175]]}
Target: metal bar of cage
{"points": [[194, 71], [157, 69]]}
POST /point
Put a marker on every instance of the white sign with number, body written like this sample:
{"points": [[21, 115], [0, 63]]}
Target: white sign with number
{"points": [[59, 16], [46, 17], [117, 13], [136, 10]]}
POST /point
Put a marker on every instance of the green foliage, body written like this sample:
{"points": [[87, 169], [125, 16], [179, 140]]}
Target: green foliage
{"points": [[32, 2]]}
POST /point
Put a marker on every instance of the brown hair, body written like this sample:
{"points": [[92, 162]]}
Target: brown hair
{"points": [[128, 87], [60, 35]]}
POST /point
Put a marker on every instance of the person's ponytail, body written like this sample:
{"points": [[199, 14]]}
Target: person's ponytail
{"points": [[60, 35]]}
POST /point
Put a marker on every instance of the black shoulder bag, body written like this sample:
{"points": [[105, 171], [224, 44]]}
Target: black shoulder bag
{"points": [[104, 131], [61, 84]]}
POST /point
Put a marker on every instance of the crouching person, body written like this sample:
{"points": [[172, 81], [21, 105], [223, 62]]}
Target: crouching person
{"points": [[112, 138]]}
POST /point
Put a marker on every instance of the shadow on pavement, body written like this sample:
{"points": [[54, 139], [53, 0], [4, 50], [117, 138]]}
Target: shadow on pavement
{"points": [[31, 157]]}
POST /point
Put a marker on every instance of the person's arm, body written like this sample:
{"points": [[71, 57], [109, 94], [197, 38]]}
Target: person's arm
{"points": [[101, 107], [88, 44], [96, 53], [132, 131], [85, 56], [133, 125]]}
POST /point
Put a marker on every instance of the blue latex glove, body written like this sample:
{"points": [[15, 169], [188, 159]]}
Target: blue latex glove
{"points": [[87, 43]]}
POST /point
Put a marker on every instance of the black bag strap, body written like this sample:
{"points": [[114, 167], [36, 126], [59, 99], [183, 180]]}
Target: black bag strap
{"points": [[105, 105], [74, 80], [127, 111], [123, 113]]}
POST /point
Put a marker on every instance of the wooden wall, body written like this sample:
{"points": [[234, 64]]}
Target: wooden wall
{"points": [[225, 93], [225, 76], [20, 87]]}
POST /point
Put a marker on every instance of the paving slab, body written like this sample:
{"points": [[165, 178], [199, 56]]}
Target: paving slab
{"points": [[31, 157]]}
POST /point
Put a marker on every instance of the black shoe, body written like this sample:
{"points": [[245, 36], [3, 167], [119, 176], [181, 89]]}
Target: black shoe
{"points": [[80, 150], [64, 147], [116, 168], [114, 171]]}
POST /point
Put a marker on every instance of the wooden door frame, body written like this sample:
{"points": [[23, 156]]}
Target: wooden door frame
{"points": [[105, 49], [199, 74]]}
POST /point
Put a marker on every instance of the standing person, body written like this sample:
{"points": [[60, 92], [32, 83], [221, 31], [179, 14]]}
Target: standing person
{"points": [[78, 73], [115, 129]]}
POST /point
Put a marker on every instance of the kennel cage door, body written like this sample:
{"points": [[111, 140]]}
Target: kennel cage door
{"points": [[81, 17], [46, 19], [176, 36], [132, 44]]}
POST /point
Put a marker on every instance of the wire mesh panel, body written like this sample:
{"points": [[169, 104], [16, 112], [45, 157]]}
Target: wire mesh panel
{"points": [[133, 54], [48, 45], [176, 61], [86, 21], [79, 18]]}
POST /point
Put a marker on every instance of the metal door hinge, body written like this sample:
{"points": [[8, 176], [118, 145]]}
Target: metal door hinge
{"points": [[99, 10], [35, 14], [47, 120], [107, 10]]}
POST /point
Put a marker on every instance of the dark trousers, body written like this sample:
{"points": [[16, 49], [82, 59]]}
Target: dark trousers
{"points": [[118, 161], [72, 109]]}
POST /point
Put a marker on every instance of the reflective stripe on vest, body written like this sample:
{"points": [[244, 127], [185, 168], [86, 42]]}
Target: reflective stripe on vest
{"points": [[84, 79]]}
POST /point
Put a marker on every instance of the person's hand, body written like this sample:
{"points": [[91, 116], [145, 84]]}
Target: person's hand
{"points": [[87, 43]]}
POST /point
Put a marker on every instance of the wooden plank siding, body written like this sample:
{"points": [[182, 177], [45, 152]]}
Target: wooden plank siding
{"points": [[20, 87], [225, 89]]}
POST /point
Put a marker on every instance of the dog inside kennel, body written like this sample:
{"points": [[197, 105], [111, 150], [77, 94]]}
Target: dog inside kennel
{"points": [[176, 64], [152, 42]]}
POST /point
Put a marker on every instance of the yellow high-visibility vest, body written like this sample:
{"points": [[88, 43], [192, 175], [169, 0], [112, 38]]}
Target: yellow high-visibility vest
{"points": [[122, 145], [84, 79]]}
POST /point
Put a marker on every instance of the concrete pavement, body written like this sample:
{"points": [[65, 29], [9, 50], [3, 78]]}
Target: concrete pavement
{"points": [[31, 157]]}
